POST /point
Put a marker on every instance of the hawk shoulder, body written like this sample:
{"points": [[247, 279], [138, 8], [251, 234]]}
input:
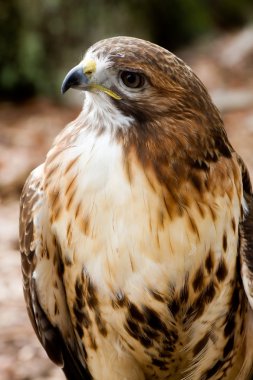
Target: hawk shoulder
{"points": [[33, 248]]}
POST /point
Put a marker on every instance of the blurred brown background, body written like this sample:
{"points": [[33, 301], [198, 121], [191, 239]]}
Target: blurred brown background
{"points": [[39, 42]]}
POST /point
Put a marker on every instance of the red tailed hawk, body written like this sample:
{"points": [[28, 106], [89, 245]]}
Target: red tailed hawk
{"points": [[136, 232]]}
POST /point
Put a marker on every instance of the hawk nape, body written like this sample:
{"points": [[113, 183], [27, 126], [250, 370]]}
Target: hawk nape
{"points": [[136, 232]]}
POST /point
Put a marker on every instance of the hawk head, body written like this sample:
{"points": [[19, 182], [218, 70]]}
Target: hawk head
{"points": [[143, 80], [132, 82]]}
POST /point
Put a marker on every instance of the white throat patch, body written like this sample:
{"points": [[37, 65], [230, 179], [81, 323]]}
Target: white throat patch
{"points": [[99, 110], [100, 113]]}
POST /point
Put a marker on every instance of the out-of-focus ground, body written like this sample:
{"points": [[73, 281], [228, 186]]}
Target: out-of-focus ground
{"points": [[225, 65]]}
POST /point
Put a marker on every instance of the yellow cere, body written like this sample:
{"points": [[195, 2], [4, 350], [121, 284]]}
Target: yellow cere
{"points": [[90, 67]]}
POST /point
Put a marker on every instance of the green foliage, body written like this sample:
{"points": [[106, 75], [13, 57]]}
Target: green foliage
{"points": [[41, 40]]}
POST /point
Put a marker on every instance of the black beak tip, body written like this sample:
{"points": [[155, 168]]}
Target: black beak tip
{"points": [[74, 79], [64, 87]]}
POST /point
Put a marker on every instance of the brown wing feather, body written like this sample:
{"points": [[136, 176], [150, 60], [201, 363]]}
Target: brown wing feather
{"points": [[246, 235], [49, 335]]}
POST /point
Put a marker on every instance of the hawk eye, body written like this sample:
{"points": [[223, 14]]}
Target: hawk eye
{"points": [[131, 79]]}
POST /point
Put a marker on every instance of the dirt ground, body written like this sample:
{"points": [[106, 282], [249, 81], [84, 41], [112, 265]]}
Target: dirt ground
{"points": [[225, 65]]}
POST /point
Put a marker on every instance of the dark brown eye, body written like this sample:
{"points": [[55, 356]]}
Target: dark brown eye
{"points": [[132, 79]]}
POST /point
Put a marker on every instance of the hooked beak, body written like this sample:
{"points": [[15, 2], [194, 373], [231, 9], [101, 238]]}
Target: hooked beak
{"points": [[76, 78], [81, 78]]}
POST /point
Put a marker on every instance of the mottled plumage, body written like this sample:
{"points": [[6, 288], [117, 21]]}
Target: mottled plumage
{"points": [[136, 232]]}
